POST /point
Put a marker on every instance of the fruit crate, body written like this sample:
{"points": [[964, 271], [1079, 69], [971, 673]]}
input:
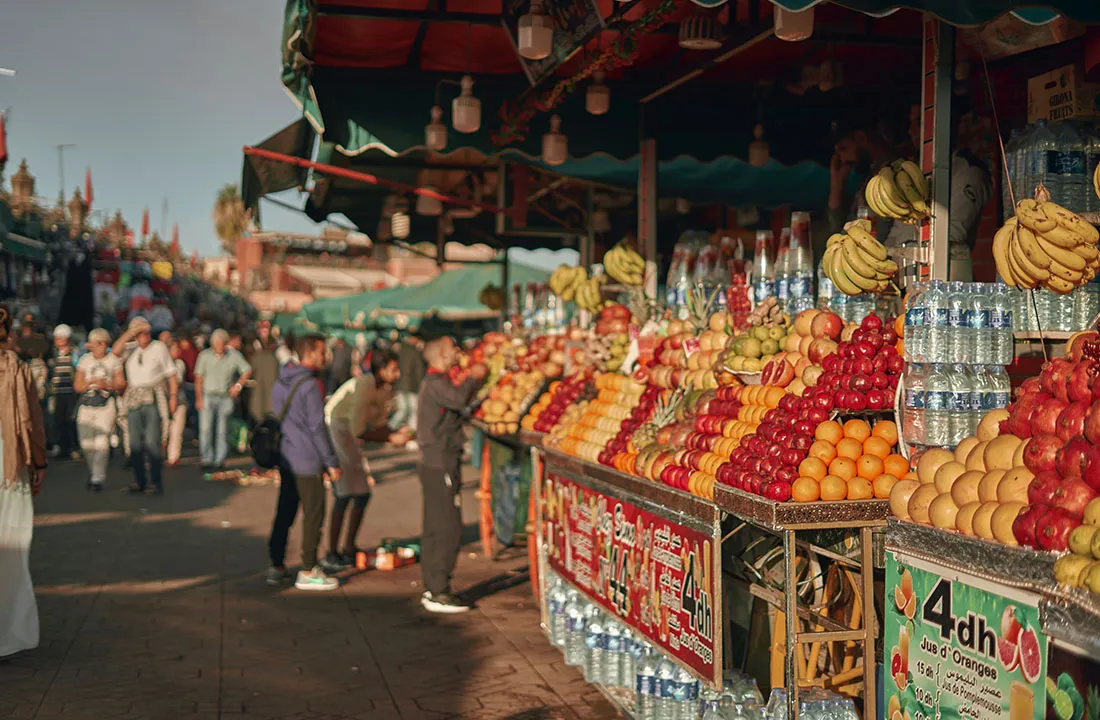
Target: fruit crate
{"points": [[777, 516]]}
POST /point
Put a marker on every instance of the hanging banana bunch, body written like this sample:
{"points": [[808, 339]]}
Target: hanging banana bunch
{"points": [[856, 262], [900, 191]]}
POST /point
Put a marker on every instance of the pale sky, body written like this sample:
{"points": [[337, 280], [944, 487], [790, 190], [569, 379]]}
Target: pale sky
{"points": [[159, 96]]}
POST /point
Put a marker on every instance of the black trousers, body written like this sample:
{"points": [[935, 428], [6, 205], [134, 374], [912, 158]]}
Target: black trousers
{"points": [[442, 529], [294, 490], [285, 511], [64, 423]]}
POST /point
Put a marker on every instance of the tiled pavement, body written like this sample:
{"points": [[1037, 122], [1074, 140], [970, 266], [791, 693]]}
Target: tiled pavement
{"points": [[154, 607]]}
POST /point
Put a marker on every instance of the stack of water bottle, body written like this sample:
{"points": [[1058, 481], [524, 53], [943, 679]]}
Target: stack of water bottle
{"points": [[1048, 311], [1059, 156], [614, 656], [787, 274], [814, 703], [958, 339]]}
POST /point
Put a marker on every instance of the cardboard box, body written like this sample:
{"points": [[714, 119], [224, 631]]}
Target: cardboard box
{"points": [[1061, 95]]}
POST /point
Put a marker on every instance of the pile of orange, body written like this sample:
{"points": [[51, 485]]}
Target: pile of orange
{"points": [[852, 461]]}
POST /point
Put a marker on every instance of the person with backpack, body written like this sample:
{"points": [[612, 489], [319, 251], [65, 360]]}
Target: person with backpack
{"points": [[306, 458]]}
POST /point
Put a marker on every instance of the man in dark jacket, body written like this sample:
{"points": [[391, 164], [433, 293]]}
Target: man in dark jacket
{"points": [[308, 456], [439, 431]]}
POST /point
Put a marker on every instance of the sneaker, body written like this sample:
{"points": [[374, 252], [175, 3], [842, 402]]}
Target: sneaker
{"points": [[334, 563], [443, 603], [315, 579], [277, 576]]}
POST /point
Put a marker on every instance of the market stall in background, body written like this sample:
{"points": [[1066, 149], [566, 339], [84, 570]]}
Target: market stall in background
{"points": [[768, 460]]}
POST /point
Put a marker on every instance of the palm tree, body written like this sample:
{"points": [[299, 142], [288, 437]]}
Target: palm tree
{"points": [[231, 220]]}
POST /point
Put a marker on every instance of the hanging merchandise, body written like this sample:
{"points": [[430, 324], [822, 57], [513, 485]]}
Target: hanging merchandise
{"points": [[435, 132], [555, 145], [466, 109], [856, 262]]}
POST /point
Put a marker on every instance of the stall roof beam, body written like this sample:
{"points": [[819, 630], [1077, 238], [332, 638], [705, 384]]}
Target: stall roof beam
{"points": [[445, 16]]}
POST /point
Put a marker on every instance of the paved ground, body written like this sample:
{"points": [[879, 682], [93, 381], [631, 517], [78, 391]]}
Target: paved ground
{"points": [[154, 607]]}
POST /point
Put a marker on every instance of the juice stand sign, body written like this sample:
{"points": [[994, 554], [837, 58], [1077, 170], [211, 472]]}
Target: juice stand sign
{"points": [[956, 650]]}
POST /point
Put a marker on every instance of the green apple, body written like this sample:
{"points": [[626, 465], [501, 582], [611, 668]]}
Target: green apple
{"points": [[751, 348], [777, 332], [752, 365], [761, 333], [737, 364]]}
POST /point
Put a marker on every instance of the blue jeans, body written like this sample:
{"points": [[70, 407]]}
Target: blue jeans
{"points": [[145, 431], [214, 428]]}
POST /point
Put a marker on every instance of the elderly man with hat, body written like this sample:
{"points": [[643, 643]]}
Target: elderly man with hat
{"points": [[152, 381], [59, 385]]}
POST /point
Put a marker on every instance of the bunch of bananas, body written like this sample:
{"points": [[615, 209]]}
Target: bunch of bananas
{"points": [[1046, 245], [590, 294], [899, 192], [856, 262], [1096, 181], [566, 280], [625, 265]]}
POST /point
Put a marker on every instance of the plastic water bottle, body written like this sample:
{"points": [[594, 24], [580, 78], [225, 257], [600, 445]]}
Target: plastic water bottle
{"points": [[763, 267], [576, 622], [777, 705], [1002, 386], [686, 696], [1092, 159], [710, 706], [595, 642], [1069, 170], [912, 417], [613, 659], [937, 394], [1086, 303], [979, 387], [556, 601], [628, 659], [1023, 164], [800, 262], [914, 323], [980, 322], [1001, 322], [1044, 158], [958, 346], [645, 685], [668, 687], [936, 320], [959, 403], [1009, 174], [825, 290], [783, 269]]}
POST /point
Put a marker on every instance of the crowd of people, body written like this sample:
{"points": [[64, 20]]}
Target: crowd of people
{"points": [[141, 395]]}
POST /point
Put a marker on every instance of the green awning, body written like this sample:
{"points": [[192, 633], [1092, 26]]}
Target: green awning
{"points": [[24, 247], [961, 12], [261, 176]]}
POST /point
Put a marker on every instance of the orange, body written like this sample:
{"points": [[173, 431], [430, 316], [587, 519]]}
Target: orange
{"points": [[869, 467], [860, 489], [834, 488], [849, 448], [805, 489], [887, 430], [814, 468], [896, 465], [774, 395], [883, 484], [876, 446], [823, 450], [829, 430], [899, 325], [843, 467], [857, 429]]}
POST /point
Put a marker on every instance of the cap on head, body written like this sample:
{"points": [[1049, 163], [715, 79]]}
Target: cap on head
{"points": [[62, 332], [140, 324]]}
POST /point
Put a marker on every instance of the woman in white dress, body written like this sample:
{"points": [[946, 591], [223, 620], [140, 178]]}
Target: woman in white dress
{"points": [[99, 380], [23, 465]]}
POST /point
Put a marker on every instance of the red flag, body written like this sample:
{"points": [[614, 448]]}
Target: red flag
{"points": [[174, 248], [3, 142], [88, 187], [145, 224]]}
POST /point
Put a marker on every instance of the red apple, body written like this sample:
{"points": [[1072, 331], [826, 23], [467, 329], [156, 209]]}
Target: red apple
{"points": [[1040, 453], [802, 442], [787, 473], [877, 399], [792, 457], [778, 490], [826, 325], [871, 322]]}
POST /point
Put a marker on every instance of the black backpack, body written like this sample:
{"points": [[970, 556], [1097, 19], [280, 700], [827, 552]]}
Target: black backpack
{"points": [[267, 437]]}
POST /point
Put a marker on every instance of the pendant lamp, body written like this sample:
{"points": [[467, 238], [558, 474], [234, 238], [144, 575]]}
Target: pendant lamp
{"points": [[427, 205], [435, 132], [466, 109], [794, 26], [758, 148], [535, 38], [597, 98], [399, 221], [555, 145]]}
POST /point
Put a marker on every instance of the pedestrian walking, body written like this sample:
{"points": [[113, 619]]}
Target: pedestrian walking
{"points": [[220, 374], [151, 383], [358, 411], [23, 463], [177, 423], [308, 456], [441, 404], [62, 402], [99, 380]]}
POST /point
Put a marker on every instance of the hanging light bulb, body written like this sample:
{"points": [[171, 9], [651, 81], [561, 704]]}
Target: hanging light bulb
{"points": [[435, 132], [555, 146], [794, 26], [536, 33], [399, 221], [427, 205], [758, 148], [597, 98], [466, 109]]}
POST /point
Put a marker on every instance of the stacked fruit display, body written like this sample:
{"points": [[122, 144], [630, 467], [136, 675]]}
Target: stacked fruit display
{"points": [[1046, 245], [607, 347], [1081, 567], [553, 403], [978, 490], [900, 191], [559, 433], [603, 418], [864, 372], [856, 262], [504, 406], [621, 444], [853, 461], [737, 301]]}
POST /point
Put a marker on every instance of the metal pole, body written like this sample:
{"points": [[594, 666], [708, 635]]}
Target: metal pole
{"points": [[61, 167], [588, 240], [870, 620], [647, 213], [935, 154], [790, 607], [505, 310]]}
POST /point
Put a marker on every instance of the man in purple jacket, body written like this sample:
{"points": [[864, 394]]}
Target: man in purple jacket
{"points": [[308, 456]]}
